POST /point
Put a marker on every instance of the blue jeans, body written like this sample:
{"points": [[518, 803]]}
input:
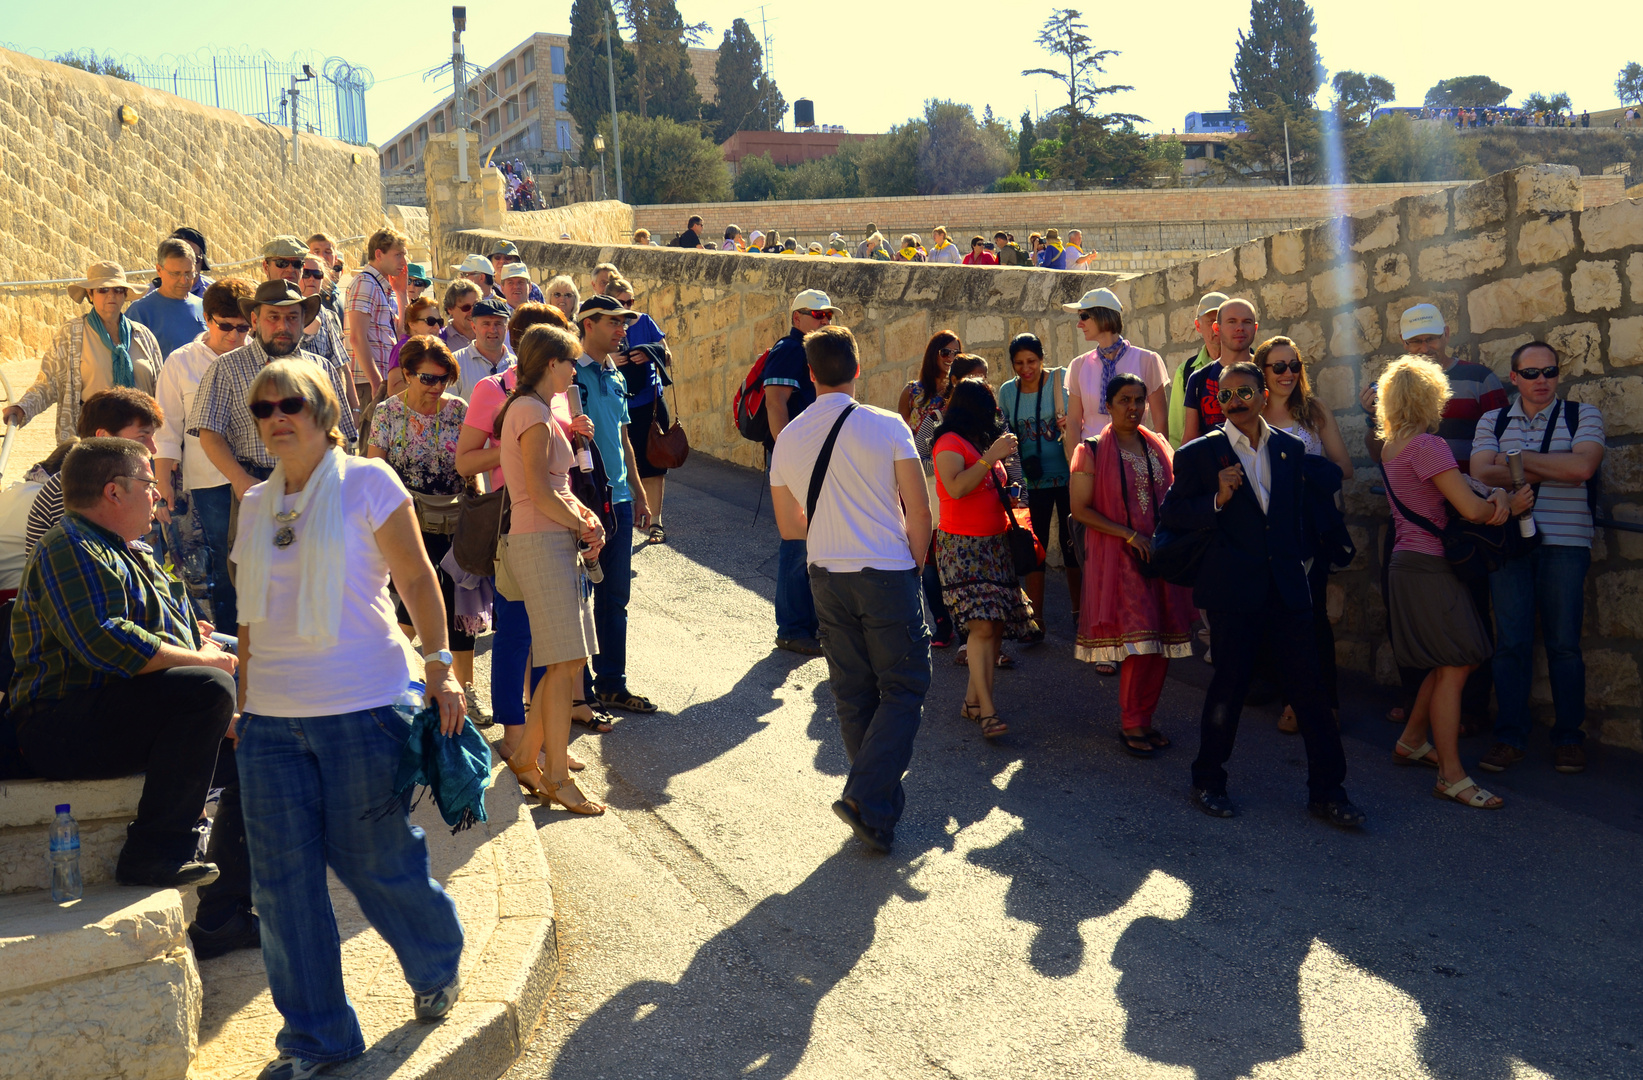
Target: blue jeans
{"points": [[795, 607], [1551, 578], [510, 655], [209, 507], [313, 789], [878, 662], [610, 605]]}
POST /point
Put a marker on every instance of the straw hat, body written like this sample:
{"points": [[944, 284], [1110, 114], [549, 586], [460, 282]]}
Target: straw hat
{"points": [[106, 275]]}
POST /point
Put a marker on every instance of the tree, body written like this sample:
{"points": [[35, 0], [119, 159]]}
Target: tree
{"points": [[1628, 85], [1063, 35], [759, 178], [956, 154], [1277, 60], [667, 162], [587, 85], [1403, 152], [1014, 182], [1357, 95], [107, 65], [1024, 143], [888, 165], [1554, 103], [664, 82], [1260, 152], [836, 176], [1467, 91], [748, 99]]}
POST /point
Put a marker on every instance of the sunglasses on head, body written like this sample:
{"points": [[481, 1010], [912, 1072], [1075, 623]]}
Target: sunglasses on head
{"points": [[1537, 372], [818, 314], [1242, 393], [1283, 367], [432, 320], [430, 378], [232, 327], [316, 275], [286, 264], [290, 406]]}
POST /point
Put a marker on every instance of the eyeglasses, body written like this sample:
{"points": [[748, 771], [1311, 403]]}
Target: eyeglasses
{"points": [[1242, 393], [430, 379], [290, 406], [286, 264], [110, 290], [1283, 368], [1533, 373], [231, 328], [316, 275], [149, 481], [464, 308], [949, 351], [431, 320], [822, 315]]}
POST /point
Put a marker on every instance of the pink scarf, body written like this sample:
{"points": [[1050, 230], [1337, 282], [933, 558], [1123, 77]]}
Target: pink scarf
{"points": [[1108, 501]]}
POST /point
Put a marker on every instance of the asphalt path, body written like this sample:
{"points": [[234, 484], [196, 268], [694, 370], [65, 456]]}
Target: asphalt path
{"points": [[1053, 907]]}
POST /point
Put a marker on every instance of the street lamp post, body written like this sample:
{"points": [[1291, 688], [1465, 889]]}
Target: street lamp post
{"points": [[599, 148]]}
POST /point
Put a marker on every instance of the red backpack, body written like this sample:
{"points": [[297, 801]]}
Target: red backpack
{"points": [[747, 409]]}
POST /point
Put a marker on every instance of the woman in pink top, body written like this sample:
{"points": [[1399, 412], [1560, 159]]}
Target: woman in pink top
{"points": [[1433, 623], [541, 556], [1101, 320]]}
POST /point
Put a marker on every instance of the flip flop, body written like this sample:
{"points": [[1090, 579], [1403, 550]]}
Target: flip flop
{"points": [[1129, 742]]}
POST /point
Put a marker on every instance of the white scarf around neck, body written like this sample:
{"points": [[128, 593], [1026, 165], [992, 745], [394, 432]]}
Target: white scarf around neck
{"points": [[320, 552]]}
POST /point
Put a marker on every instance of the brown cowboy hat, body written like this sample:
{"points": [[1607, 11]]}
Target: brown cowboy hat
{"points": [[106, 275], [281, 293]]}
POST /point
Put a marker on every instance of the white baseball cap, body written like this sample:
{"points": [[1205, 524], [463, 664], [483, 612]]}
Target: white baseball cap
{"points": [[513, 270], [475, 264], [813, 300], [1421, 319], [1211, 301], [1095, 298]]}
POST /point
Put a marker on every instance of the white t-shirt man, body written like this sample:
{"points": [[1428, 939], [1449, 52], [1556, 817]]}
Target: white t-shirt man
{"points": [[858, 522], [179, 381]]}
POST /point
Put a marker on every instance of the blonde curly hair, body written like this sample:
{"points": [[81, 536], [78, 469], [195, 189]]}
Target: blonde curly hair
{"points": [[1411, 394]]}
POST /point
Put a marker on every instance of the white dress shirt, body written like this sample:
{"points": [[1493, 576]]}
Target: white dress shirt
{"points": [[1254, 459], [175, 388]]}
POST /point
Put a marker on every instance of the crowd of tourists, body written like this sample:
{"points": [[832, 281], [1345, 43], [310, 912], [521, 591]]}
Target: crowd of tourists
{"points": [[1046, 250]]}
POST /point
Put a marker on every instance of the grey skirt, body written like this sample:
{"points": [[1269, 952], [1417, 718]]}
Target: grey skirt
{"points": [[1431, 615], [545, 567]]}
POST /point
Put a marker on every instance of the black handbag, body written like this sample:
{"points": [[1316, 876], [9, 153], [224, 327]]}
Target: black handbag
{"points": [[1025, 554], [1473, 551]]}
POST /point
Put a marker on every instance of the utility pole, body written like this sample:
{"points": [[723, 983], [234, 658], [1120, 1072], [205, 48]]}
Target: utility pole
{"points": [[307, 74], [769, 71], [1289, 168], [459, 85], [615, 126]]}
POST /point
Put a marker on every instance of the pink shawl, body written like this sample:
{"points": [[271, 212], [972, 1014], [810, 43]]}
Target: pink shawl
{"points": [[1104, 551]]}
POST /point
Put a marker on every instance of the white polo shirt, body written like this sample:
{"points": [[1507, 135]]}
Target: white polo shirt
{"points": [[859, 523]]}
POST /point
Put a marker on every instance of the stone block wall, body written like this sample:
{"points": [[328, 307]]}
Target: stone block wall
{"points": [[77, 185], [603, 222]]}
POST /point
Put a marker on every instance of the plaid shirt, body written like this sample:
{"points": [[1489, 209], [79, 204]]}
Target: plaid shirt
{"points": [[220, 406], [92, 608], [370, 297]]}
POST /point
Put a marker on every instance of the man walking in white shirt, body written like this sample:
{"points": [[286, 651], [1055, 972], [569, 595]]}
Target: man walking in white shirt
{"points": [[841, 475]]}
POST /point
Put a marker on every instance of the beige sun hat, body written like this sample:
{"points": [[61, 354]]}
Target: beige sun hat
{"points": [[513, 270], [106, 275], [475, 264]]}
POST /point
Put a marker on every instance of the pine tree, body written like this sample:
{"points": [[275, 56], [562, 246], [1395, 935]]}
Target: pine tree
{"points": [[1025, 144], [1277, 60], [587, 82], [748, 100], [666, 86]]}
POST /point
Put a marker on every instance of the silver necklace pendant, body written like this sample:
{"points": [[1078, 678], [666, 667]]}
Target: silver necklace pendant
{"points": [[284, 537]]}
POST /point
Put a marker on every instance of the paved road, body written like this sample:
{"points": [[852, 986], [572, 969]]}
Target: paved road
{"points": [[1054, 907]]}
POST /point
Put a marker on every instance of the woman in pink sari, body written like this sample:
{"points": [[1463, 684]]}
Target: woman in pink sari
{"points": [[1118, 481]]}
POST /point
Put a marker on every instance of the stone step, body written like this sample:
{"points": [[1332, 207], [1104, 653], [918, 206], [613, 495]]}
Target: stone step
{"points": [[103, 809]]}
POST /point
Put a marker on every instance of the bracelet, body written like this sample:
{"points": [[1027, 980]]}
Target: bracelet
{"points": [[1133, 534]]}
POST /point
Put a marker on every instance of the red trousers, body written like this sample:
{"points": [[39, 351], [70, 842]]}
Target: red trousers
{"points": [[1140, 683]]}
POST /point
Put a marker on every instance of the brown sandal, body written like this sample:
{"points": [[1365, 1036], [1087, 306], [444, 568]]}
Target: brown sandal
{"points": [[992, 726], [587, 806], [530, 787]]}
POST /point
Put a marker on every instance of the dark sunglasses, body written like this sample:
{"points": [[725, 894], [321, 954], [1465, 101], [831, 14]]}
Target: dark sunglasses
{"points": [[1284, 367], [290, 406], [818, 314], [464, 308], [951, 350], [1536, 372], [1243, 393], [232, 327], [336, 268], [316, 275], [1085, 316], [430, 379], [287, 264], [431, 320]]}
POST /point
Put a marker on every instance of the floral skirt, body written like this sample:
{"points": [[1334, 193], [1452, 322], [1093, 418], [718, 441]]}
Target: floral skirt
{"points": [[978, 581]]}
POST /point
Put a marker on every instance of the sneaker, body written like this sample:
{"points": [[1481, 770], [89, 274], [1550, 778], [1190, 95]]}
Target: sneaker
{"points": [[241, 931], [286, 1067], [1569, 759], [438, 1003], [804, 646], [1501, 756], [477, 712], [165, 875]]}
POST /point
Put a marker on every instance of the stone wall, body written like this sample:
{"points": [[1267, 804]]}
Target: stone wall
{"points": [[604, 222], [77, 185]]}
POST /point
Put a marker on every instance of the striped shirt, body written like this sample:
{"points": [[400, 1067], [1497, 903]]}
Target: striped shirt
{"points": [[1562, 514], [92, 608], [370, 297], [220, 403], [1473, 391], [1409, 476]]}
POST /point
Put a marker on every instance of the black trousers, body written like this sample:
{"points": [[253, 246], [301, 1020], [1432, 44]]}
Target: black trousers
{"points": [[232, 889], [1236, 638], [168, 724]]}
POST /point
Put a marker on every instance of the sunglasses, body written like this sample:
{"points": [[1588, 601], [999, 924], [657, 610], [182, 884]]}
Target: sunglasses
{"points": [[464, 308], [286, 264], [430, 379], [431, 320], [316, 275], [336, 268], [818, 314], [290, 406], [1533, 373], [949, 351], [232, 327], [1283, 367], [1085, 316], [1242, 393], [106, 291]]}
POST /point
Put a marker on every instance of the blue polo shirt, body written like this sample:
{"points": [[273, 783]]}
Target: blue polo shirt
{"points": [[788, 366], [605, 399], [175, 322]]}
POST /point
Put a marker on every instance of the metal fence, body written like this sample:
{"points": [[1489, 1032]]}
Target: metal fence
{"points": [[254, 83]]}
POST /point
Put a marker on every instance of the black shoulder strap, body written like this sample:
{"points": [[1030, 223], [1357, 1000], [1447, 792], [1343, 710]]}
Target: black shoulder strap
{"points": [[1408, 514], [818, 474], [1502, 418], [1551, 429], [1571, 419]]}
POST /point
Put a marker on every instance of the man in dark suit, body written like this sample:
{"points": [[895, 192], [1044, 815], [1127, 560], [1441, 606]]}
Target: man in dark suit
{"points": [[1243, 483]]}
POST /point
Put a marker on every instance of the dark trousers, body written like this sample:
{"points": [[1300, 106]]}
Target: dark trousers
{"points": [[607, 672], [1236, 637], [168, 724], [211, 508], [940, 617], [878, 662], [232, 889]]}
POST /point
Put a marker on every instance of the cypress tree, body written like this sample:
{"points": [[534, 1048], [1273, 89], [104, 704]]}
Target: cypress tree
{"points": [[1277, 60], [748, 99], [587, 85]]}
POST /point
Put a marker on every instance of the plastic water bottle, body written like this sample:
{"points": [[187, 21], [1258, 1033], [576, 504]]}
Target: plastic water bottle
{"points": [[411, 697], [65, 857]]}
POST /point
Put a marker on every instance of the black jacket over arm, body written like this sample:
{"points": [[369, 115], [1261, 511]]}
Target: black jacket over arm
{"points": [[1250, 552]]}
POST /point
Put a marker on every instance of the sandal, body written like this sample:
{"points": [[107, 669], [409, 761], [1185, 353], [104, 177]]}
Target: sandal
{"points": [[1106, 667], [627, 701], [1288, 722], [1157, 738], [599, 722], [528, 786], [962, 657], [1397, 715], [1137, 743], [970, 712], [1424, 754], [657, 535], [1479, 799], [992, 726], [586, 806], [1004, 662]]}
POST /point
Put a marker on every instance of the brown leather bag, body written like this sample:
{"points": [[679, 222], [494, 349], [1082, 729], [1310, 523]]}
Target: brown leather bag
{"points": [[667, 449]]}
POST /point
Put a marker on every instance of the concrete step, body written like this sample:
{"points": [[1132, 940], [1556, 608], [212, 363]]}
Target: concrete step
{"points": [[103, 809]]}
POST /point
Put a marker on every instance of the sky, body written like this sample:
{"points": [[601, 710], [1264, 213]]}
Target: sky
{"points": [[868, 64]]}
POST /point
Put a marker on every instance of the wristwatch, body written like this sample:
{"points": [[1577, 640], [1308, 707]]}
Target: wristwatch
{"points": [[443, 656]]}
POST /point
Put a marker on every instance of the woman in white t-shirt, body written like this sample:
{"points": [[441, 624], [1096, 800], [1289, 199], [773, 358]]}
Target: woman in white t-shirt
{"points": [[1101, 319], [321, 664]]}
